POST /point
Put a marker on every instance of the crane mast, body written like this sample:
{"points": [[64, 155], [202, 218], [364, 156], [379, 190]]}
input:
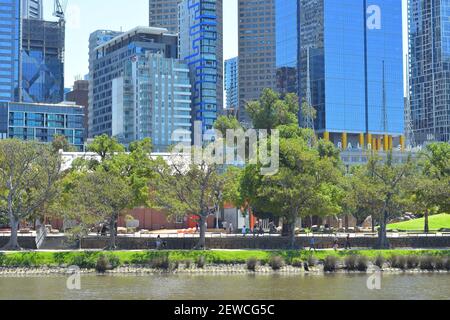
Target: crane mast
{"points": [[59, 9]]}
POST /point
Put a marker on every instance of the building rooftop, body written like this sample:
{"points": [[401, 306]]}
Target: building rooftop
{"points": [[137, 30], [65, 104]]}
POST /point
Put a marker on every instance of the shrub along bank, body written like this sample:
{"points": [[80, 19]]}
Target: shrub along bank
{"points": [[89, 260]]}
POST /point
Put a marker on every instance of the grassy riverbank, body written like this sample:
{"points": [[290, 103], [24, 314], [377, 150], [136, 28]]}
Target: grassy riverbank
{"points": [[436, 222], [123, 258]]}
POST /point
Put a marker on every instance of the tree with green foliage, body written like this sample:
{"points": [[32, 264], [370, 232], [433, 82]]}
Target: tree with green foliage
{"points": [[436, 160], [380, 188], [308, 111], [183, 187], [28, 175], [60, 142], [306, 184], [224, 123], [134, 169], [97, 197], [428, 196], [271, 111], [362, 198], [430, 186], [105, 146]]}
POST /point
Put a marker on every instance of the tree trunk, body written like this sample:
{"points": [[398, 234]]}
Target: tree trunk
{"points": [[292, 235], [112, 234], [13, 244], [202, 242], [427, 225], [383, 242]]}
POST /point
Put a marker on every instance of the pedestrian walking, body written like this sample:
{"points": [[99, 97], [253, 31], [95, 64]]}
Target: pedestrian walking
{"points": [[255, 230], [230, 228], [312, 244], [336, 243], [348, 245], [244, 230], [158, 242]]}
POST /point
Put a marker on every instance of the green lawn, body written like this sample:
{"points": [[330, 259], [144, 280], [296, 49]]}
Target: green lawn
{"points": [[436, 222], [89, 259]]}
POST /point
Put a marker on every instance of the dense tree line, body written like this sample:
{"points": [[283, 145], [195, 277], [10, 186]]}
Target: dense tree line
{"points": [[311, 180]]}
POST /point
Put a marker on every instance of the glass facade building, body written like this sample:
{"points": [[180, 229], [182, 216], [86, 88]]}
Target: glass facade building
{"points": [[43, 44], [287, 30], [153, 100], [107, 63], [10, 25], [200, 46], [41, 122], [350, 66], [96, 39], [231, 83], [164, 14], [256, 51], [429, 62]]}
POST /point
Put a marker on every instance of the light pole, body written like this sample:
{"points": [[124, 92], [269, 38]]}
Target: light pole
{"points": [[219, 200]]}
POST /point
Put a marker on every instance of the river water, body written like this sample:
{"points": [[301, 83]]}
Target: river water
{"points": [[228, 287]]}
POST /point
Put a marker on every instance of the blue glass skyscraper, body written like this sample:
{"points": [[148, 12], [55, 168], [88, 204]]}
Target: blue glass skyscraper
{"points": [[287, 32], [200, 45], [350, 66], [10, 21], [43, 44], [231, 83], [429, 45]]}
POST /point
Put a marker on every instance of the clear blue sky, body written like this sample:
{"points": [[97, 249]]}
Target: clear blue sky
{"points": [[86, 16]]}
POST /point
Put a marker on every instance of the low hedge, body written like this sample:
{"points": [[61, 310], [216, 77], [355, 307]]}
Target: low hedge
{"points": [[88, 259]]}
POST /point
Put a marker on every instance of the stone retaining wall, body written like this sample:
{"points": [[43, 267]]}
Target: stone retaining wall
{"points": [[25, 242], [264, 243], [250, 242]]}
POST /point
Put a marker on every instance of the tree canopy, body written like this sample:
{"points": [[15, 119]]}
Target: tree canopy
{"points": [[28, 175], [271, 111]]}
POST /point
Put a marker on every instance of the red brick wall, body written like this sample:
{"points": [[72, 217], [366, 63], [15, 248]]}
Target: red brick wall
{"points": [[149, 219]]}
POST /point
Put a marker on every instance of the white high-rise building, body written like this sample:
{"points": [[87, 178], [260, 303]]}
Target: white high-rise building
{"points": [[32, 9], [152, 99]]}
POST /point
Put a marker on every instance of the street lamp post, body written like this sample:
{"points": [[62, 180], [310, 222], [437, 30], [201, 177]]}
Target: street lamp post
{"points": [[219, 200]]}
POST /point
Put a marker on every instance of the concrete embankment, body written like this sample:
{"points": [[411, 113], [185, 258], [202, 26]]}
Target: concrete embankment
{"points": [[239, 269], [231, 243]]}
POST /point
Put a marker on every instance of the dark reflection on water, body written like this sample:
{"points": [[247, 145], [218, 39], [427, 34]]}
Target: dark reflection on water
{"points": [[228, 287]]}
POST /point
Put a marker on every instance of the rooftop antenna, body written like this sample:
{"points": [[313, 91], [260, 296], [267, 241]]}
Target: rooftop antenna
{"points": [[308, 111], [309, 119], [409, 130]]}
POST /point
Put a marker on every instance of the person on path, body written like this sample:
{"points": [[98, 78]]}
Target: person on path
{"points": [[348, 245], [244, 231], [158, 242], [336, 243], [312, 244], [255, 229]]}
